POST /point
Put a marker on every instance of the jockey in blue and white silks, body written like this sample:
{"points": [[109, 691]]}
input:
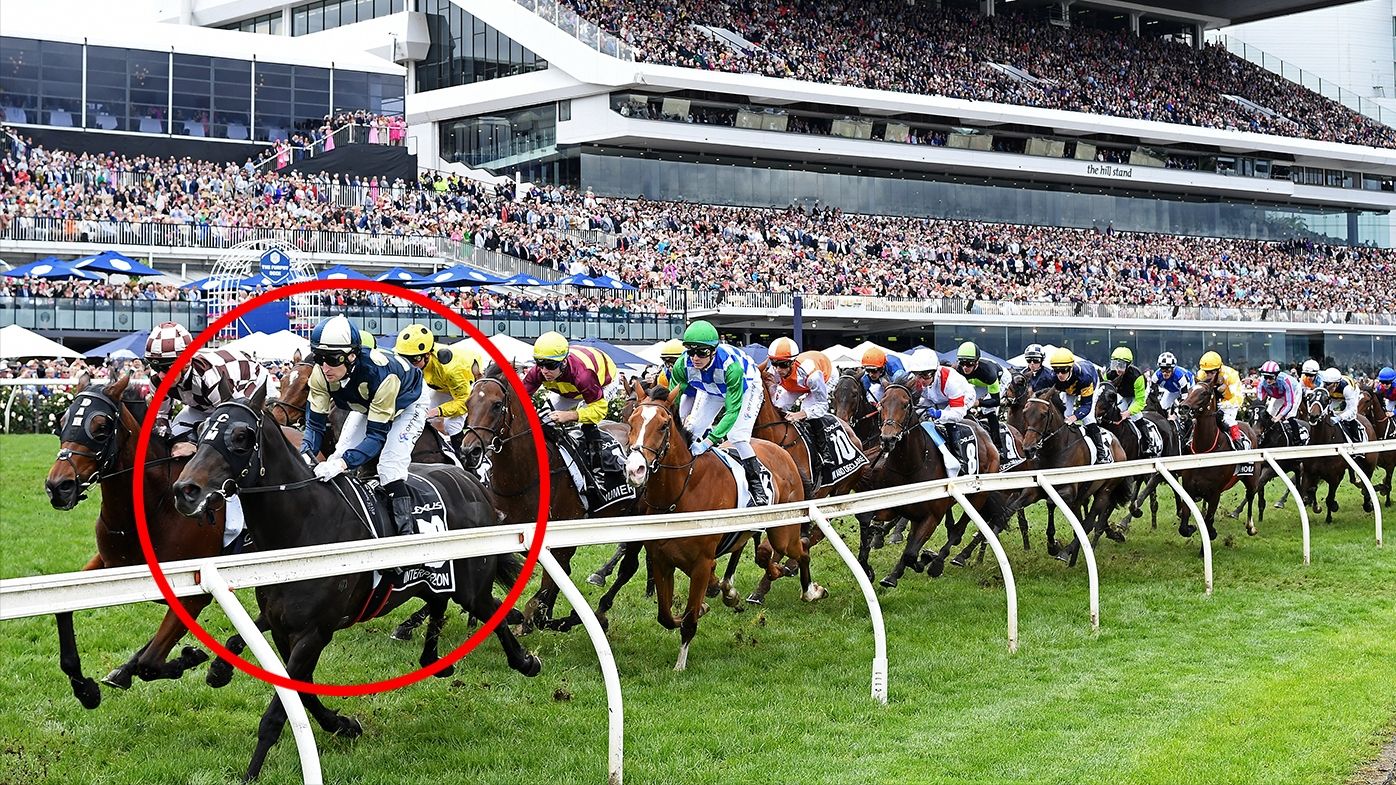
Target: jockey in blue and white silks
{"points": [[1174, 381]]}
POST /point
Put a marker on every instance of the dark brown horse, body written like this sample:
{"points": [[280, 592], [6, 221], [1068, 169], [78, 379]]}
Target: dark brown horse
{"points": [[1383, 428], [246, 453], [849, 402], [1200, 428], [909, 456], [98, 447], [1129, 436], [1332, 470], [671, 479]]}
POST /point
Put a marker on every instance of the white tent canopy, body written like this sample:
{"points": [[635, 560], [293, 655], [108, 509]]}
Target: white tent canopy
{"points": [[517, 351], [281, 345], [18, 342]]}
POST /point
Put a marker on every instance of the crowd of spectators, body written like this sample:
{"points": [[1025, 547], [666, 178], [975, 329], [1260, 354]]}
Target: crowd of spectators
{"points": [[929, 50], [677, 245]]}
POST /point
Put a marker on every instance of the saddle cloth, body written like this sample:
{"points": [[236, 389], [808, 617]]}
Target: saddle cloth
{"points": [[1010, 456], [734, 465], [1241, 469], [960, 438], [847, 457], [428, 515], [599, 477], [1150, 439], [1107, 439]]}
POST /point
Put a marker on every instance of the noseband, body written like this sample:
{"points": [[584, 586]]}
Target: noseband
{"points": [[1043, 438], [77, 428], [653, 466], [900, 425], [502, 431]]}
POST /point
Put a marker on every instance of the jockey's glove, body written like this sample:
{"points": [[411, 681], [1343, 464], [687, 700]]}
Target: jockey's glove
{"points": [[330, 469], [701, 446]]}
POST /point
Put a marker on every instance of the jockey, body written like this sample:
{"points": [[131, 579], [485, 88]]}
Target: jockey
{"points": [[944, 394], [387, 410], [721, 378], [448, 373], [878, 368], [1038, 375], [581, 381], [1309, 374], [1385, 389], [802, 392], [1282, 394], [989, 376], [669, 353], [1075, 380], [200, 388], [1129, 382], [1342, 397], [1227, 383], [1171, 380]]}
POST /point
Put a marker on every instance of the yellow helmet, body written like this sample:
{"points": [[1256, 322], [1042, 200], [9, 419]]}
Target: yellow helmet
{"points": [[1061, 357], [671, 348], [1210, 361], [550, 346], [414, 341]]}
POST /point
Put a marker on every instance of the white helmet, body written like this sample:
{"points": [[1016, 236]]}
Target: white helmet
{"points": [[1330, 375], [1310, 367], [922, 361], [1167, 360]]}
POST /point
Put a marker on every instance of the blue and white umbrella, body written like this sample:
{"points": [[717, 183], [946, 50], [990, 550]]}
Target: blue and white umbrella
{"points": [[52, 269], [397, 275], [524, 279], [341, 273], [456, 277], [208, 284], [113, 262]]}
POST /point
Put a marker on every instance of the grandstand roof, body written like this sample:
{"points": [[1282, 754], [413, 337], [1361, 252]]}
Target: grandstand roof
{"points": [[1221, 12]]}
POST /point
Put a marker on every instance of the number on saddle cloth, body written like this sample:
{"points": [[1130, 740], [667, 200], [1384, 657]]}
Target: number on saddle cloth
{"points": [[961, 440]]}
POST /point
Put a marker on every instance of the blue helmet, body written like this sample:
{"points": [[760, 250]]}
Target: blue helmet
{"points": [[336, 334], [1387, 375]]}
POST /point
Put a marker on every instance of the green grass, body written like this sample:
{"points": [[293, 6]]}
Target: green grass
{"points": [[1286, 675]]}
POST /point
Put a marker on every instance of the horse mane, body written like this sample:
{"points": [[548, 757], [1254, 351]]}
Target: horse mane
{"points": [[659, 394]]}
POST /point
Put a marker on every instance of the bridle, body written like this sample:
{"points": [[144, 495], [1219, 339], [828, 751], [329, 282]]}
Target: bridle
{"points": [[653, 466], [1043, 437], [77, 429], [501, 432], [900, 424], [287, 408]]}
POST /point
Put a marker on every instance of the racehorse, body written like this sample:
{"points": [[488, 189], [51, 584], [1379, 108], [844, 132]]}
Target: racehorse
{"points": [[98, 447], [1383, 427], [909, 456], [1055, 444], [670, 478], [1331, 470], [1107, 412], [1200, 429], [243, 451], [849, 402], [496, 427]]}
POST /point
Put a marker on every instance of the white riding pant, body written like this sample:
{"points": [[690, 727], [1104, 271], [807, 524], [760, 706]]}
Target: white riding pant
{"points": [[1167, 398], [397, 450], [449, 425], [699, 410], [1229, 414], [188, 420], [812, 404], [1279, 411]]}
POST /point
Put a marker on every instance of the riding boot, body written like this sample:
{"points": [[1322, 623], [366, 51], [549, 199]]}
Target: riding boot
{"points": [[818, 454], [456, 442], [1093, 431], [995, 431], [401, 502], [753, 482]]}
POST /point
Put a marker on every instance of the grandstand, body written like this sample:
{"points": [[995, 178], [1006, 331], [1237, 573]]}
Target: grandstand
{"points": [[725, 164]]}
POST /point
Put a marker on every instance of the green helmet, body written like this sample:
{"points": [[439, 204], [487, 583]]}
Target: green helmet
{"points": [[1123, 354], [968, 351], [701, 333]]}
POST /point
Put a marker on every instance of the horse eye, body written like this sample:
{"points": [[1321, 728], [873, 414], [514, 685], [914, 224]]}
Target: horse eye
{"points": [[498, 406], [240, 439]]}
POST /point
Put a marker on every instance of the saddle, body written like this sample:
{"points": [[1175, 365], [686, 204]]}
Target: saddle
{"points": [[598, 466], [839, 457], [963, 443], [428, 515]]}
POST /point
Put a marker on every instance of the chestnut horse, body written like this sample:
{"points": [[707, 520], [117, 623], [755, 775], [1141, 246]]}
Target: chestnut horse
{"points": [[1383, 428], [1200, 429], [671, 479]]}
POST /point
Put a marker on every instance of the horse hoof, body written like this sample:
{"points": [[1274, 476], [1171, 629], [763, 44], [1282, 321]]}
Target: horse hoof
{"points": [[532, 666], [959, 561], [119, 679], [1187, 529], [1063, 557], [88, 693], [888, 582], [755, 599], [192, 657], [878, 540], [1136, 512], [1233, 515], [349, 728], [936, 568], [220, 673], [596, 579], [1251, 530], [896, 538], [449, 670], [712, 591], [732, 600], [1114, 533], [1053, 548], [814, 593], [788, 571], [1278, 505], [402, 632]]}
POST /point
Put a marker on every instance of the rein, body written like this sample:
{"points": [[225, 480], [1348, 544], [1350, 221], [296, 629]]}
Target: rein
{"points": [[656, 464]]}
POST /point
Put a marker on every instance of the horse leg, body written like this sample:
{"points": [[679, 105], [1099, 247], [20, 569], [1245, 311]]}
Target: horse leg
{"points": [[220, 671], [151, 664], [954, 533], [482, 604], [919, 534], [867, 531], [403, 632], [1023, 527], [898, 531], [1053, 547], [663, 572], [724, 587], [84, 689], [962, 558], [788, 543], [436, 607], [599, 577], [539, 610], [697, 589], [1332, 501], [303, 657]]}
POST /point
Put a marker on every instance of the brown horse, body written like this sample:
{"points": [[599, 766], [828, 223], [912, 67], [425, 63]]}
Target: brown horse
{"points": [[98, 447], [909, 456], [849, 402], [1201, 432], [671, 479], [1326, 430], [1383, 428], [1055, 444]]}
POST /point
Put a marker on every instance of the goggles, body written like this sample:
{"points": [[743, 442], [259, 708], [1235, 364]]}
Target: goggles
{"points": [[782, 364], [331, 358], [700, 349], [549, 365]]}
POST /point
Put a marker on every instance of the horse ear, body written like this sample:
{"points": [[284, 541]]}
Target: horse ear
{"points": [[117, 388], [639, 390], [259, 395], [128, 420], [84, 382], [475, 367], [296, 357]]}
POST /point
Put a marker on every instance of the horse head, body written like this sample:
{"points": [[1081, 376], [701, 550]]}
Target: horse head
{"points": [[230, 446], [90, 441], [1043, 418], [652, 428], [1107, 404], [289, 408], [849, 401], [489, 417], [898, 414]]}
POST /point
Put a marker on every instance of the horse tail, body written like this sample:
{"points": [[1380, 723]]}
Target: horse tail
{"points": [[996, 510], [507, 569]]}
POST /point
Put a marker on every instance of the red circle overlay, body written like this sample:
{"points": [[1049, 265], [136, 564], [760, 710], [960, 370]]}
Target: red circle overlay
{"points": [[368, 688]]}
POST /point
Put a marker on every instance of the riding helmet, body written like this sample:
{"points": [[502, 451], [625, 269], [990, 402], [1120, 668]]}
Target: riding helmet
{"points": [[167, 342], [968, 351], [1211, 361], [1062, 357], [550, 346], [416, 340], [335, 334], [700, 333], [783, 349]]}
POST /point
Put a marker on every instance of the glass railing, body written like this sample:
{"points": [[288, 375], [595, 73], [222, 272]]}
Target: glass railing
{"points": [[566, 20], [1324, 87]]}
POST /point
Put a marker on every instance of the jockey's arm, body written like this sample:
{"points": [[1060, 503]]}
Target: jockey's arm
{"points": [[380, 419], [738, 387], [317, 412], [1083, 401], [1141, 394], [816, 402], [594, 407], [458, 380]]}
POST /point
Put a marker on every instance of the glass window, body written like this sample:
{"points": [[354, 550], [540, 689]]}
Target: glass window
{"points": [[149, 83], [332, 15], [193, 95], [232, 99], [106, 88], [274, 102], [300, 21], [312, 97], [315, 19], [350, 90], [466, 50]]}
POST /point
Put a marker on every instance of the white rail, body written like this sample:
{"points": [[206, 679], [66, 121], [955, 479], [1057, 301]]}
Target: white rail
{"points": [[48, 594]]}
